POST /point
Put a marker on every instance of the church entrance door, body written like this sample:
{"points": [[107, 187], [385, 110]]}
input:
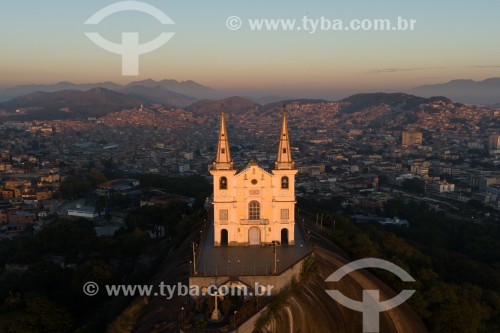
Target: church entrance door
{"points": [[223, 237], [284, 236], [254, 236]]}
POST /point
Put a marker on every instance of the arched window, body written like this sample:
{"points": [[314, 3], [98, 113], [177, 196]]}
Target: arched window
{"points": [[223, 183], [254, 210], [284, 182]]}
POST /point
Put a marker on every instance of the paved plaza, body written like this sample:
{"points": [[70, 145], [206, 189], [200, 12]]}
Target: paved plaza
{"points": [[234, 261]]}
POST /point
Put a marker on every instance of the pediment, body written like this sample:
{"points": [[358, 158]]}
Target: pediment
{"points": [[254, 171]]}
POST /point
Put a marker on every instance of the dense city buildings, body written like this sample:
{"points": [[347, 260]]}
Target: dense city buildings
{"points": [[411, 138], [146, 175], [339, 150]]}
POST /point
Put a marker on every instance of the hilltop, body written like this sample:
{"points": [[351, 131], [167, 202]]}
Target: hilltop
{"points": [[233, 104], [485, 92], [71, 104]]}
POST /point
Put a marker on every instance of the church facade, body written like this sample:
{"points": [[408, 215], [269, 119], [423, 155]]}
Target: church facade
{"points": [[253, 206]]}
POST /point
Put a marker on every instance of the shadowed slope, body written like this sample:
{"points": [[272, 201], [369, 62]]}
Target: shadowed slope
{"points": [[312, 310]]}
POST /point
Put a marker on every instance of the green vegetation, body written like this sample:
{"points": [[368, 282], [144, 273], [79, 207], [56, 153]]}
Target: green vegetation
{"points": [[42, 289], [35, 314], [309, 267], [41, 286], [359, 102], [173, 218], [194, 186], [126, 321], [76, 183], [414, 185], [456, 264], [276, 305]]}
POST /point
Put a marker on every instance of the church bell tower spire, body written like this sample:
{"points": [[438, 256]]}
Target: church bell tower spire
{"points": [[284, 158], [223, 159]]}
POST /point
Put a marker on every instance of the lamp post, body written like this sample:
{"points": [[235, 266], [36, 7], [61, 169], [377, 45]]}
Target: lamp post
{"points": [[238, 267], [182, 317], [228, 262], [234, 319], [194, 258], [275, 262], [190, 268]]}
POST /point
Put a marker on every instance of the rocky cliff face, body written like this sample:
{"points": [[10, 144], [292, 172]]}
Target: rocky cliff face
{"points": [[311, 309]]}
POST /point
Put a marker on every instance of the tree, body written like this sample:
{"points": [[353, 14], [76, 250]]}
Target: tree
{"points": [[73, 185], [364, 247], [40, 315], [96, 177], [414, 185], [476, 204], [65, 237], [133, 244]]}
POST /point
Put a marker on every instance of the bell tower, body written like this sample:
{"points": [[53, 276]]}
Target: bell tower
{"points": [[224, 187], [284, 183]]}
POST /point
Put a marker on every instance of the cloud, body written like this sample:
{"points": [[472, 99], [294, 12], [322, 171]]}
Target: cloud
{"points": [[412, 69], [486, 66], [399, 69]]}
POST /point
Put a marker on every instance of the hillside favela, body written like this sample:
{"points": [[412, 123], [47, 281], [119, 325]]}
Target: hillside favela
{"points": [[263, 167]]}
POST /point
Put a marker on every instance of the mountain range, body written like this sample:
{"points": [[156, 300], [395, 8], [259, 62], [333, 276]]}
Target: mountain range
{"points": [[235, 104], [404, 101], [70, 104], [486, 92], [96, 102], [172, 92], [69, 100]]}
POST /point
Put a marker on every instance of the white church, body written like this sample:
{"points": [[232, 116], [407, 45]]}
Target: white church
{"points": [[253, 206]]}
